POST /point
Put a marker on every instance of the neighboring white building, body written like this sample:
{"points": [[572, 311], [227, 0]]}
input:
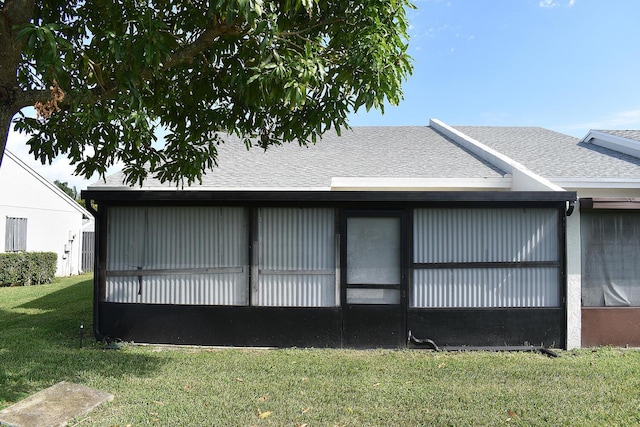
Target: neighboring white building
{"points": [[36, 216]]}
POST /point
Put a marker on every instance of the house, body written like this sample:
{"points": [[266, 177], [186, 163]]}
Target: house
{"points": [[363, 240], [603, 233], [37, 216]]}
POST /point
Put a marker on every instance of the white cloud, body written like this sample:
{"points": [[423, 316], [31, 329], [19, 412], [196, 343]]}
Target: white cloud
{"points": [[547, 3], [554, 3]]}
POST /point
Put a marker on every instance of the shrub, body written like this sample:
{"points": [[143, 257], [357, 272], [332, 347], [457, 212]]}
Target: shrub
{"points": [[27, 268]]}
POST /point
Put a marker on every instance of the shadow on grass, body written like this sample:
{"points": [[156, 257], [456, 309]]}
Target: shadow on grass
{"points": [[40, 344]]}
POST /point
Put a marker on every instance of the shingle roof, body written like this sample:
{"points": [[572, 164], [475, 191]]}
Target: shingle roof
{"points": [[629, 134], [555, 155], [389, 152]]}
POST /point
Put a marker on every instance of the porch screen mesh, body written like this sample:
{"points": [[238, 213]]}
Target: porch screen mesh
{"points": [[485, 258], [610, 258], [297, 258], [178, 255]]}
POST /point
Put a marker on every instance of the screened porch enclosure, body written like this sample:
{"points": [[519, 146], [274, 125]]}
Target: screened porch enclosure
{"points": [[200, 256], [332, 275], [487, 276], [177, 255], [485, 258]]}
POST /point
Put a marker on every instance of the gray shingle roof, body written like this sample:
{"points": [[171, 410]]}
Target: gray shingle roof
{"points": [[555, 155], [397, 152]]}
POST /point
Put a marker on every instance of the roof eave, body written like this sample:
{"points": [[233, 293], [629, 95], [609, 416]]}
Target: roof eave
{"points": [[606, 183]]}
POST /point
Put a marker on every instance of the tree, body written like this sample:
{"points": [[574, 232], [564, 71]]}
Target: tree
{"points": [[104, 75], [71, 192]]}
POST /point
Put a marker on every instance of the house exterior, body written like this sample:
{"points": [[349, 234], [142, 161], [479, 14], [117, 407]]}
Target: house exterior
{"points": [[36, 216], [603, 233], [362, 240]]}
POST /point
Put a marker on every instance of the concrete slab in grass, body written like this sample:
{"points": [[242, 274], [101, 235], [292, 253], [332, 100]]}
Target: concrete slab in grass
{"points": [[53, 406]]}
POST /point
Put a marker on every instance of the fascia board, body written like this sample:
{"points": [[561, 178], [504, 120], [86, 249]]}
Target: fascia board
{"points": [[596, 182], [419, 184], [196, 189]]}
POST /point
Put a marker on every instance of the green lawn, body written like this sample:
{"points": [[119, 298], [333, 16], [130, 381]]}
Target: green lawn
{"points": [[40, 346]]}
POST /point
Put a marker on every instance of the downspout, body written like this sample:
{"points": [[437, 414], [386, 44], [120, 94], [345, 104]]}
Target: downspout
{"points": [[96, 269]]}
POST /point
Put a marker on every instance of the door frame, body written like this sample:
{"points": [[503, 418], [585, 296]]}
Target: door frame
{"points": [[370, 313]]}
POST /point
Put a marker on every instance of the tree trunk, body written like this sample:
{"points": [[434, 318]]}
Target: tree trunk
{"points": [[6, 115]]}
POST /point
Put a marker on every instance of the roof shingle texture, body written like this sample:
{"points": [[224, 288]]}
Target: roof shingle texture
{"points": [[398, 152], [555, 155]]}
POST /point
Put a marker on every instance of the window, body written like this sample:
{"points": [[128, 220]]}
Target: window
{"points": [[15, 235], [610, 255], [297, 258]]}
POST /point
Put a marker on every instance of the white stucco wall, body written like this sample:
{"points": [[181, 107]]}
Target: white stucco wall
{"points": [[574, 281], [54, 221]]}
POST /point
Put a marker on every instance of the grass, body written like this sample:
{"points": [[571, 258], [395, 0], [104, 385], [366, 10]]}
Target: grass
{"points": [[166, 386]]}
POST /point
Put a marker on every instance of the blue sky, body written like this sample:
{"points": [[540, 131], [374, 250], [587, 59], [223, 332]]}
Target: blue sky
{"points": [[566, 65]]}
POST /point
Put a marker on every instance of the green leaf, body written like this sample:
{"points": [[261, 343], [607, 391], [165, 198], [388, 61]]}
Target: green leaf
{"points": [[280, 72]]}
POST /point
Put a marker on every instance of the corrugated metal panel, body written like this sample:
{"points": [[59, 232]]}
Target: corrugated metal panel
{"points": [[197, 289], [126, 238], [486, 287], [182, 238], [296, 257], [296, 290], [485, 235]]}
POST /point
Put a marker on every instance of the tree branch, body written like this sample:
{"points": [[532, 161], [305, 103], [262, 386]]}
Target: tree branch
{"points": [[27, 98], [186, 54], [323, 23], [181, 56]]}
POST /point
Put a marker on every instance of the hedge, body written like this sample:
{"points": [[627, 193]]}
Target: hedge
{"points": [[27, 268]]}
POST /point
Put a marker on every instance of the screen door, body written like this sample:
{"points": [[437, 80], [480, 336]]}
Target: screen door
{"points": [[372, 301]]}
